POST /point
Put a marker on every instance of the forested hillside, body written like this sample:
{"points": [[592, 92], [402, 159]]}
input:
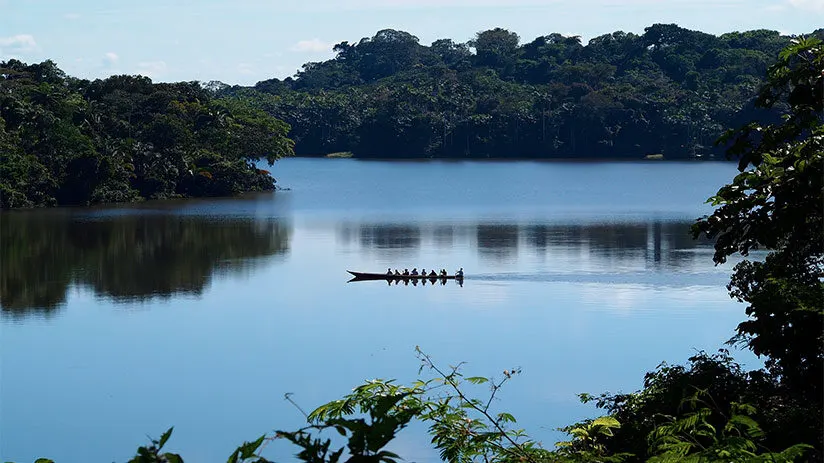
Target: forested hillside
{"points": [[68, 141], [622, 95], [670, 91]]}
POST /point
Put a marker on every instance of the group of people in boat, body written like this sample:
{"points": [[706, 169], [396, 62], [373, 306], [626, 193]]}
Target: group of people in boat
{"points": [[414, 272]]}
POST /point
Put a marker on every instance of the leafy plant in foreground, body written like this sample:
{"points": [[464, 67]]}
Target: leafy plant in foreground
{"points": [[462, 428], [775, 203], [692, 438], [151, 454]]}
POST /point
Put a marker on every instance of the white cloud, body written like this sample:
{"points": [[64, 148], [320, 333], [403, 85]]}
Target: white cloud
{"points": [[17, 44], [811, 5], [312, 46], [153, 69], [110, 59]]}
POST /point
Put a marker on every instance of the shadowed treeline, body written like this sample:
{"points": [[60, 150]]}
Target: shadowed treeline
{"points": [[621, 95], [128, 257], [67, 141]]}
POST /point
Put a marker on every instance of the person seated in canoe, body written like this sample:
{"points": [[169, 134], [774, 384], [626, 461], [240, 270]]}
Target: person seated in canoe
{"points": [[423, 271], [397, 273], [432, 274], [443, 272], [389, 271], [414, 271], [459, 273], [406, 272]]}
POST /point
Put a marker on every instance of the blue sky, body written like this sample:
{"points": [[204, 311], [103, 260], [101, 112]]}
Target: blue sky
{"points": [[244, 41]]}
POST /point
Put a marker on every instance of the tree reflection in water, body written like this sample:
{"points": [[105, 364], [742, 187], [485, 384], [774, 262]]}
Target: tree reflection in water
{"points": [[658, 244], [124, 257]]}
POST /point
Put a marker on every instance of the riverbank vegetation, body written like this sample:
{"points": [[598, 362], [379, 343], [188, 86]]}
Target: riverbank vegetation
{"points": [[669, 91], [68, 141]]}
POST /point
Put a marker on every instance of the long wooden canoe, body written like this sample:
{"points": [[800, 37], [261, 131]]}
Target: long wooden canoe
{"points": [[386, 276]]}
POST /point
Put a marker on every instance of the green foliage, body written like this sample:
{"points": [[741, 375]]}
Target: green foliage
{"points": [[589, 442], [382, 409], [246, 452], [151, 454], [463, 428], [670, 90], [785, 419], [496, 48], [775, 204], [65, 141], [692, 438]]}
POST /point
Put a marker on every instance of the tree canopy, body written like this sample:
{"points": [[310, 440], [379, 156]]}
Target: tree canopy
{"points": [[67, 141], [668, 91]]}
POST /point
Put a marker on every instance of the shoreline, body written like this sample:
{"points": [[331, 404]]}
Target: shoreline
{"points": [[520, 159]]}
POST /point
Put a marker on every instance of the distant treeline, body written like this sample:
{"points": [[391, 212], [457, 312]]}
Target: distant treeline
{"points": [[670, 91], [68, 141]]}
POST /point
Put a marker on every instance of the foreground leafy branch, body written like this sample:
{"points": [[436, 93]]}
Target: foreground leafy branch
{"points": [[776, 203], [692, 437]]}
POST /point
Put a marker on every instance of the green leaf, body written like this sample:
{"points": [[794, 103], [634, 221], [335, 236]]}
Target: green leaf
{"points": [[477, 380], [607, 422], [248, 449], [506, 417], [164, 438]]}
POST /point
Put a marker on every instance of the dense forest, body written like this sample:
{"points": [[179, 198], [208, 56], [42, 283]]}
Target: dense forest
{"points": [[669, 91], [68, 141]]}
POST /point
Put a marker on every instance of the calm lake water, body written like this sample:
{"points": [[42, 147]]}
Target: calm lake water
{"points": [[118, 322]]}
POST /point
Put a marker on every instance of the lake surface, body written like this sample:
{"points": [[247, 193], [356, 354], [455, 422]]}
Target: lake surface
{"points": [[118, 322]]}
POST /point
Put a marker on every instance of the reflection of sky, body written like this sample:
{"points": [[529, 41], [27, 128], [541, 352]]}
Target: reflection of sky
{"points": [[589, 308]]}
